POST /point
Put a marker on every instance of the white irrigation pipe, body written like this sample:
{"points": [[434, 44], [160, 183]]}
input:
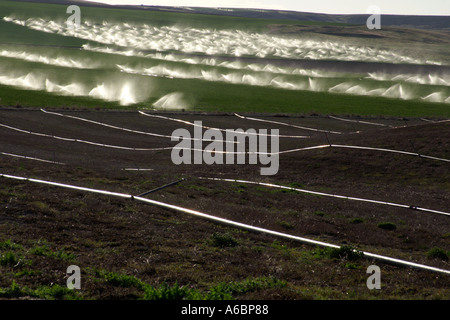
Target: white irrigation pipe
{"points": [[427, 120], [83, 141], [358, 121], [218, 129], [330, 195], [125, 129], [140, 149], [29, 158], [287, 124], [306, 148], [333, 146], [133, 149], [214, 151], [230, 222], [389, 150], [440, 121]]}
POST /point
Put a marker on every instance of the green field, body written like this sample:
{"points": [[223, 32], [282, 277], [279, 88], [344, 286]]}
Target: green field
{"points": [[26, 52]]}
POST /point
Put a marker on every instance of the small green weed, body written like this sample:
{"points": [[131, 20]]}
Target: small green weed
{"points": [[437, 253], [44, 292], [175, 292], [9, 259], [223, 240], [46, 251], [357, 221], [121, 280], [9, 244], [387, 226], [345, 252]]}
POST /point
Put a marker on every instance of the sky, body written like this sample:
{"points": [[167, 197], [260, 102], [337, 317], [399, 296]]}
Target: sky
{"points": [[418, 7]]}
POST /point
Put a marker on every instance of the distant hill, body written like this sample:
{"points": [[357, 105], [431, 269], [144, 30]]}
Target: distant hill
{"points": [[404, 21], [421, 22]]}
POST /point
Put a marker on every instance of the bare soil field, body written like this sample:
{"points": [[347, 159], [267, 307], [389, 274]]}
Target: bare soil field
{"points": [[106, 235]]}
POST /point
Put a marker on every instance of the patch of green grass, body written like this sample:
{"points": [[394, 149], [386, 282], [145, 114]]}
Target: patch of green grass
{"points": [[9, 259], [387, 226], [40, 205], [14, 291], [241, 188], [286, 225], [319, 213], [163, 292], [285, 250], [45, 250], [357, 220], [121, 280], [55, 292], [26, 273], [350, 265], [175, 292], [228, 290], [11, 254], [9, 244], [220, 291], [223, 240], [437, 253], [344, 252]]}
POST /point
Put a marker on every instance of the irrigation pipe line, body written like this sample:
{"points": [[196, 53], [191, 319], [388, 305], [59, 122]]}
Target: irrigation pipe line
{"points": [[125, 129], [307, 148], [217, 151], [330, 195], [29, 158], [363, 122], [328, 146], [230, 222], [218, 129], [288, 124], [439, 121], [389, 150], [82, 141], [146, 149]]}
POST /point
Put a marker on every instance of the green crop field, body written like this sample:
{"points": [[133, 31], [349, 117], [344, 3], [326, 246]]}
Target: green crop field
{"points": [[112, 61]]}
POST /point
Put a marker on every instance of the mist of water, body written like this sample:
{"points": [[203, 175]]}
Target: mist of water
{"points": [[430, 79], [235, 43], [172, 101], [332, 85], [124, 92], [436, 97], [56, 61], [133, 40]]}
